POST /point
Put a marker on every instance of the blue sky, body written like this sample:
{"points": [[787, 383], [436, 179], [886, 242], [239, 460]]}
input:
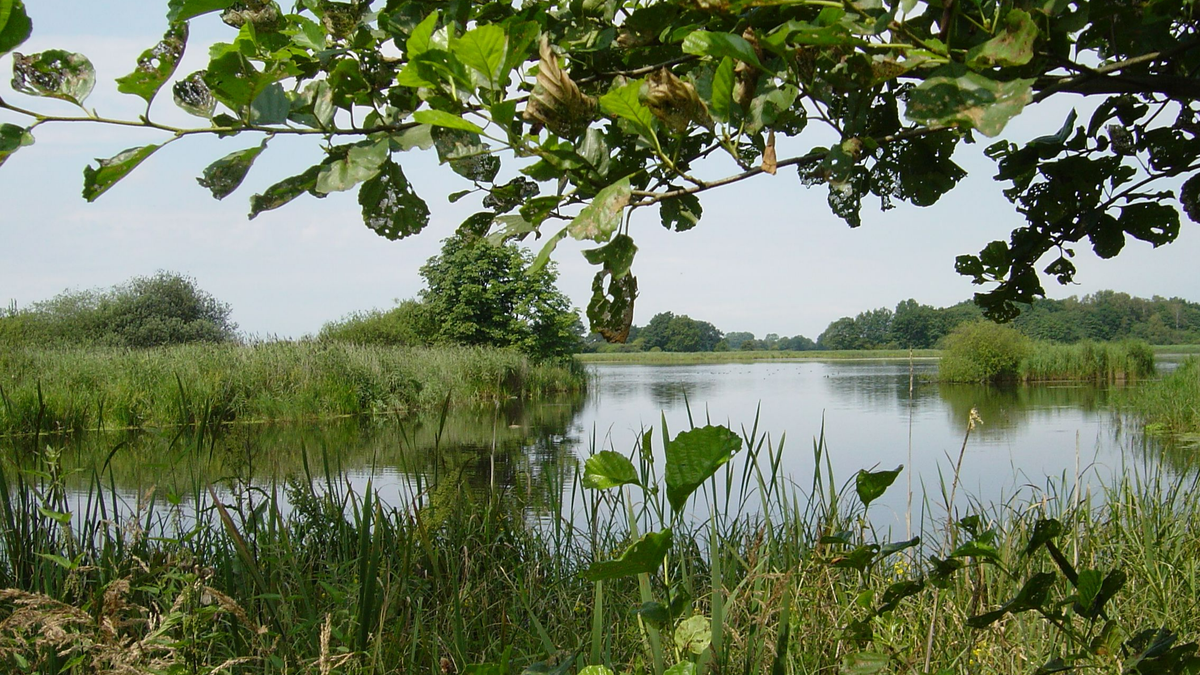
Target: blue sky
{"points": [[768, 256]]}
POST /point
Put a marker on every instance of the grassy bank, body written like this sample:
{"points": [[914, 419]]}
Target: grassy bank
{"points": [[1124, 361], [340, 583], [77, 389], [1171, 405], [684, 358]]}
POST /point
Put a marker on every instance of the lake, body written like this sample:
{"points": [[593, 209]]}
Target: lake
{"points": [[864, 408]]}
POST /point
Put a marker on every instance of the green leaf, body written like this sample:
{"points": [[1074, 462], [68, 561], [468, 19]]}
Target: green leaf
{"points": [[864, 663], [59, 560], [60, 517], [595, 670], [420, 40], [643, 557], [511, 227], [543, 256], [12, 138], [483, 48], [953, 95], [681, 668], [599, 219], [721, 105], [607, 469], [1031, 596], [390, 206], [440, 118], [693, 634], [870, 485], [616, 255], [1012, 47], [693, 457], [536, 210], [233, 80], [1094, 593], [97, 181], [720, 45], [1155, 223], [271, 106], [54, 73], [976, 549], [224, 176], [286, 190], [624, 103], [361, 162], [156, 65], [182, 10], [1044, 530], [16, 27], [466, 154], [680, 213]]}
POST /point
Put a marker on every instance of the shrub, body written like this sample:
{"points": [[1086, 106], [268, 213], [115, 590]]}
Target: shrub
{"points": [[406, 325], [982, 351]]}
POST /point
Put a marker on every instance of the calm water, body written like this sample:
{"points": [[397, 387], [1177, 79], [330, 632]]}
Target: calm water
{"points": [[864, 408]]}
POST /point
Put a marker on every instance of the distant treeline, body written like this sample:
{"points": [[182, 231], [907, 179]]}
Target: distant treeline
{"points": [[1103, 316]]}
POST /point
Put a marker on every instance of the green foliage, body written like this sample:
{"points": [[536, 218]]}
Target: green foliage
{"points": [[1124, 361], [671, 333], [479, 293], [627, 105], [982, 352], [164, 309], [1171, 405], [408, 324]]}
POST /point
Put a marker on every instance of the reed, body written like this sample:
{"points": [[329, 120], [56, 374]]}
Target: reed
{"points": [[55, 390], [1170, 405], [763, 575], [1087, 361], [682, 358]]}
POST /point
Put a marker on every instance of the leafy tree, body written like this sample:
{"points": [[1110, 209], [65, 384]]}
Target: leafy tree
{"points": [[915, 325], [680, 333], [408, 323], [626, 105], [841, 334], [478, 293], [735, 339], [163, 309], [798, 343]]}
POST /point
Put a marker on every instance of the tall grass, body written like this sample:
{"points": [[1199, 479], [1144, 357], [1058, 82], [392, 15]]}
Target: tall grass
{"points": [[1087, 361], [1172, 404], [681, 358], [764, 576], [76, 389]]}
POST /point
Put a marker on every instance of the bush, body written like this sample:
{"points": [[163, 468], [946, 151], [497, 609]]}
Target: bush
{"points": [[406, 325], [164, 309], [982, 351]]}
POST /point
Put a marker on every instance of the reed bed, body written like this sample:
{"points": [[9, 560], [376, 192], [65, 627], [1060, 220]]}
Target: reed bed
{"points": [[684, 358], [1171, 405], [1087, 361], [763, 575], [55, 390]]}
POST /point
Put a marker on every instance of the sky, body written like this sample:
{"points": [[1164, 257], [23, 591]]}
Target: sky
{"points": [[767, 256]]}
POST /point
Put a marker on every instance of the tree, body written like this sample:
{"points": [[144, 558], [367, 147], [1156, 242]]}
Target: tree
{"points": [[915, 325], [479, 293], [680, 333], [630, 103], [163, 309]]}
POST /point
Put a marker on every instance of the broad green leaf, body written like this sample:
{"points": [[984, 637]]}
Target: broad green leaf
{"points": [[60, 517], [390, 206], [897, 592], [483, 48], [59, 560], [440, 118], [156, 65], [1031, 596], [543, 256], [953, 95], [54, 73], [16, 27], [643, 557], [720, 45], [864, 663], [536, 210], [1044, 530], [693, 634], [607, 469], [595, 670], [6, 7], [681, 668], [870, 485], [599, 219], [976, 549], [286, 190], [654, 613], [485, 669], [624, 102], [1155, 223], [680, 213], [897, 546], [420, 137], [271, 106], [193, 95], [1012, 47], [616, 255], [721, 105], [693, 457], [362, 161], [224, 176], [12, 138], [97, 180], [182, 10], [1092, 605], [419, 41], [233, 80]]}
